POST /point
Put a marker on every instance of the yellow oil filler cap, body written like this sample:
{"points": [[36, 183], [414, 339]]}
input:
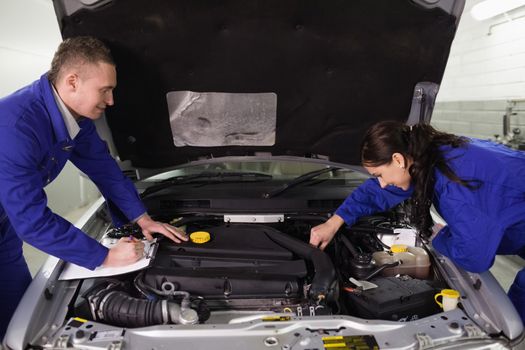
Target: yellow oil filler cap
{"points": [[398, 248], [200, 237]]}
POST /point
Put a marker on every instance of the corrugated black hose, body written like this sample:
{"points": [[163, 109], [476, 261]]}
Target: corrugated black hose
{"points": [[109, 303]]}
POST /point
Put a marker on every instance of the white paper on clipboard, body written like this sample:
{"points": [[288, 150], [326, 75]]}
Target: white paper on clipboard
{"points": [[72, 271]]}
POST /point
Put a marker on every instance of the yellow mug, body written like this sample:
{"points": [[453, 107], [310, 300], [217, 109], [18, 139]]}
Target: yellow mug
{"points": [[450, 299]]}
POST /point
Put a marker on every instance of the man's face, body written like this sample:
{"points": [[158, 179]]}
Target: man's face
{"points": [[394, 173], [93, 90]]}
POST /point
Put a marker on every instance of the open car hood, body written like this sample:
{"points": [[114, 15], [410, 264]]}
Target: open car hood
{"points": [[300, 78]]}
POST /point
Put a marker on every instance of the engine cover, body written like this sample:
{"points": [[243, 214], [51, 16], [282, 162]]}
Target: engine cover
{"points": [[239, 261]]}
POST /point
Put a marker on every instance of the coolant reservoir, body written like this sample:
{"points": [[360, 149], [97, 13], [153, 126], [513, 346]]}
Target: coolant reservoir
{"points": [[414, 261]]}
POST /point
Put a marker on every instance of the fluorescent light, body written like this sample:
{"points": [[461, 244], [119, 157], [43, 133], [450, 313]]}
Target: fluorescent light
{"points": [[490, 8]]}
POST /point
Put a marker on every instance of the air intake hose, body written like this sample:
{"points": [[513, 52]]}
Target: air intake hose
{"points": [[324, 277], [120, 309]]}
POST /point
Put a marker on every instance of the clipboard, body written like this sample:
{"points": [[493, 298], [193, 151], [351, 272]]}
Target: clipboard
{"points": [[73, 271]]}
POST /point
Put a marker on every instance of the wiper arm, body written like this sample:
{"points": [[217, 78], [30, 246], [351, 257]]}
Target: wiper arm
{"points": [[205, 176], [298, 180]]}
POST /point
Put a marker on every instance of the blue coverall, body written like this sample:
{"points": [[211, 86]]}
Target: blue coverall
{"points": [[481, 223], [34, 147]]}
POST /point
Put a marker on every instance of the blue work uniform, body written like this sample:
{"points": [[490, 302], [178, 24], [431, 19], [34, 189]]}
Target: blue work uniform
{"points": [[34, 147], [482, 222]]}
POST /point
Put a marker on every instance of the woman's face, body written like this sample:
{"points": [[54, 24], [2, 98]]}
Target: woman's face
{"points": [[394, 173]]}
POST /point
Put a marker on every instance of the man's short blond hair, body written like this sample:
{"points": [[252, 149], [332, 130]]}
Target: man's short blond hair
{"points": [[78, 51]]}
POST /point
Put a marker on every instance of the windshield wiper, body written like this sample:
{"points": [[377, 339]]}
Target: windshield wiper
{"points": [[298, 180], [206, 177]]}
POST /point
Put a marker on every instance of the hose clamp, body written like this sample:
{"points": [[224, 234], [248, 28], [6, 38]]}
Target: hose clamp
{"points": [[164, 307]]}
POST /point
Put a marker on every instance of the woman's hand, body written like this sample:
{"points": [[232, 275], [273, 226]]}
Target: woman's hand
{"points": [[321, 235], [436, 229], [149, 226], [125, 252]]}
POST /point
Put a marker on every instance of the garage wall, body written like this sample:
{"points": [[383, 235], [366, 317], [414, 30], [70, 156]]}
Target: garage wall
{"points": [[29, 35], [481, 119], [487, 59], [485, 75]]}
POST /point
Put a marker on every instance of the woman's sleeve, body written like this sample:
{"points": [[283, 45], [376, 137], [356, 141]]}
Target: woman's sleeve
{"points": [[471, 238], [370, 198]]}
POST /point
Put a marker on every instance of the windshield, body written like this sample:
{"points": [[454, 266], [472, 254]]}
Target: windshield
{"points": [[280, 170]]}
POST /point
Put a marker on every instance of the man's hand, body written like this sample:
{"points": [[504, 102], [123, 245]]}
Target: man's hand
{"points": [[321, 235], [125, 252], [149, 226]]}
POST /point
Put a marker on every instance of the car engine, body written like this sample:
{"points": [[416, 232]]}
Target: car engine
{"points": [[231, 270]]}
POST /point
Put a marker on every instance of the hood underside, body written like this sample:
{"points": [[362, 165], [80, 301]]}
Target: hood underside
{"points": [[326, 71]]}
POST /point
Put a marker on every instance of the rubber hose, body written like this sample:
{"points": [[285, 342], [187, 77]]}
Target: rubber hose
{"points": [[120, 309], [324, 276], [349, 246], [381, 268]]}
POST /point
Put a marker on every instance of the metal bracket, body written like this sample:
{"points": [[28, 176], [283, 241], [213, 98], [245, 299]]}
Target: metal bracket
{"points": [[424, 340], [116, 345], [423, 101], [474, 331], [62, 342], [272, 218]]}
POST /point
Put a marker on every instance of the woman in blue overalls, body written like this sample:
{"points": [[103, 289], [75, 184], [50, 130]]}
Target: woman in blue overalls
{"points": [[41, 127], [476, 186]]}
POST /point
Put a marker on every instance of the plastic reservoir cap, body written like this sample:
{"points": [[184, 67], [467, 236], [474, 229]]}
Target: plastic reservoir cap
{"points": [[398, 248], [200, 237]]}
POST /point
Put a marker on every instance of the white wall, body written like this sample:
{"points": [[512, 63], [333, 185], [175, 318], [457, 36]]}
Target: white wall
{"points": [[487, 59], [29, 35], [481, 119], [484, 76]]}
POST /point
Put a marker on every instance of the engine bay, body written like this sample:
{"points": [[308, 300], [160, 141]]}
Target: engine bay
{"points": [[232, 270]]}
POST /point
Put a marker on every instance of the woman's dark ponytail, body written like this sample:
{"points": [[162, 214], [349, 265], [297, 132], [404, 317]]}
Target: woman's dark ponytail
{"points": [[423, 148], [420, 143]]}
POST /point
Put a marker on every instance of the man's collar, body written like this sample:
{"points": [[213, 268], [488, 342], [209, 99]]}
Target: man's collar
{"points": [[71, 124]]}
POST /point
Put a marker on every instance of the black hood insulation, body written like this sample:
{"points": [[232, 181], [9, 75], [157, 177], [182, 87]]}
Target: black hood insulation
{"points": [[336, 66]]}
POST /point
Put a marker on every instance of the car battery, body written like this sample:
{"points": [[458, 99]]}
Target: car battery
{"points": [[395, 298]]}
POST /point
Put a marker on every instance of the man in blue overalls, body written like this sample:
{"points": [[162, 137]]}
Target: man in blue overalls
{"points": [[41, 127]]}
